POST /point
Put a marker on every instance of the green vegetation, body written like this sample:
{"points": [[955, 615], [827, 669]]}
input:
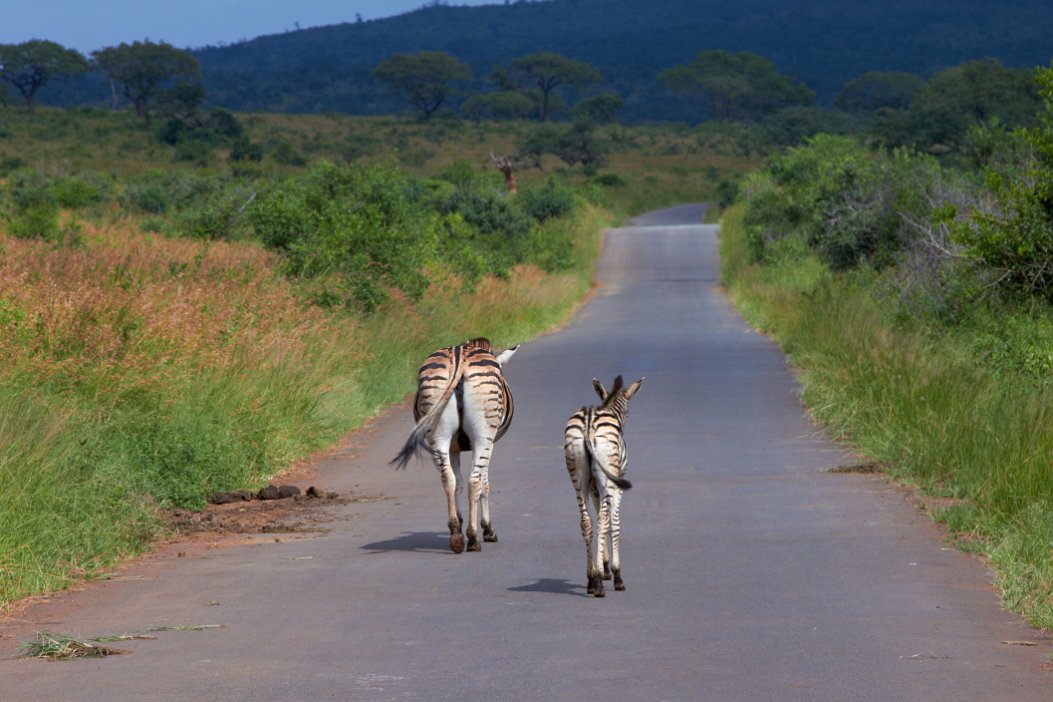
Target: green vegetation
{"points": [[425, 79], [735, 86], [915, 301], [31, 65], [145, 72], [174, 326]]}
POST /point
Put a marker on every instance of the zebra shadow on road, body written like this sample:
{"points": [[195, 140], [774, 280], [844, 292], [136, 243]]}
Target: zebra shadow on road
{"points": [[415, 541], [553, 586]]}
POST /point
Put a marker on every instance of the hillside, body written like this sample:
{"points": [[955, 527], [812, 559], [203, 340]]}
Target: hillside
{"points": [[824, 43]]}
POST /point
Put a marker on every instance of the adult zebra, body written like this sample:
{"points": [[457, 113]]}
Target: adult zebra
{"points": [[594, 446], [478, 415]]}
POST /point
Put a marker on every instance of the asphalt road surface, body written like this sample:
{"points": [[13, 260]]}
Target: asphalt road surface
{"points": [[752, 573]]}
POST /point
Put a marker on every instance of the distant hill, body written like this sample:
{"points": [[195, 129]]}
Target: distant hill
{"points": [[823, 43]]}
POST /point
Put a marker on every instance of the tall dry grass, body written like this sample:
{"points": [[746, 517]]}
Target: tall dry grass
{"points": [[139, 372]]}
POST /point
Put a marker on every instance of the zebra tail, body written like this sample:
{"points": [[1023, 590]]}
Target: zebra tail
{"points": [[414, 445], [596, 460], [417, 443]]}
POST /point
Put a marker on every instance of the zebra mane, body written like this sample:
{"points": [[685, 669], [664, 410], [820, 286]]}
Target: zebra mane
{"points": [[610, 401]]}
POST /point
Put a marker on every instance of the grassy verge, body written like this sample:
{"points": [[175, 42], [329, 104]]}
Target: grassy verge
{"points": [[145, 372], [975, 442]]}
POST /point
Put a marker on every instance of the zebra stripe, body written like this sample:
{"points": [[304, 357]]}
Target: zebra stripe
{"points": [[597, 460], [480, 413]]}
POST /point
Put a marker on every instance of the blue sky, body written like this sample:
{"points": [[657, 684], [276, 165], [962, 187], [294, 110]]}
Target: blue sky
{"points": [[87, 25]]}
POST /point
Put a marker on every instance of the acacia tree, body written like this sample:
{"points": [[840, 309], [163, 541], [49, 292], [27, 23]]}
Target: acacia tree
{"points": [[31, 65], [145, 71], [735, 86], [546, 72], [961, 97], [879, 89], [426, 78]]}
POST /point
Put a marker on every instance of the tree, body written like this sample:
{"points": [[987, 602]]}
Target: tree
{"points": [[738, 86], [501, 105], [426, 78], [961, 97], [146, 71], [579, 142], [31, 65], [877, 89], [601, 109], [546, 72]]}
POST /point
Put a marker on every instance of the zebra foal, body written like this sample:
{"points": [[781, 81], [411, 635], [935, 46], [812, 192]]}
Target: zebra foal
{"points": [[463, 404], [594, 447]]}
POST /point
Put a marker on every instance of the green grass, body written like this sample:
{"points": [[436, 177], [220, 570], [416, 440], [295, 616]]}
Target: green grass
{"points": [[917, 400]]}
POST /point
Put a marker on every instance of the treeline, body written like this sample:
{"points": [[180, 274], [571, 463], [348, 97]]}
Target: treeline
{"points": [[748, 104], [630, 42]]}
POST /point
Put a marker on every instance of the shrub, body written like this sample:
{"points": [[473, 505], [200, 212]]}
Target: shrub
{"points": [[1013, 233], [547, 201], [38, 221], [500, 228], [609, 180], [80, 191], [353, 231]]}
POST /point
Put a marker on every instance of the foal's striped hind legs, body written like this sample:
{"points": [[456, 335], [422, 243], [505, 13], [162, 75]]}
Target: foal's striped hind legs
{"points": [[616, 536], [489, 535], [577, 467]]}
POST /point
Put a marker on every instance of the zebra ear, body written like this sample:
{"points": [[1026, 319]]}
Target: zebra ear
{"points": [[600, 390], [503, 357], [632, 389]]}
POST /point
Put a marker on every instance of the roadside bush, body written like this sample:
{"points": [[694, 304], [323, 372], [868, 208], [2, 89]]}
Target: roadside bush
{"points": [[500, 227], [849, 205], [353, 232], [1012, 233], [546, 201]]}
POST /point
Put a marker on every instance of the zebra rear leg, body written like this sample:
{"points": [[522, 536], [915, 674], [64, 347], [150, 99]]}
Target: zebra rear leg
{"points": [[456, 538], [447, 466]]}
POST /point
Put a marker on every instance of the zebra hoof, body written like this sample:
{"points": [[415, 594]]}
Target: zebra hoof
{"points": [[475, 546], [620, 587], [457, 543], [595, 586], [490, 537]]}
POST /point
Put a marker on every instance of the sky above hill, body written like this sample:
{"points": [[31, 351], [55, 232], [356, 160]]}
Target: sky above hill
{"points": [[88, 25]]}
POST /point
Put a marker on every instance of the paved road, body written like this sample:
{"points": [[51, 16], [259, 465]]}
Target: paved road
{"points": [[752, 574]]}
